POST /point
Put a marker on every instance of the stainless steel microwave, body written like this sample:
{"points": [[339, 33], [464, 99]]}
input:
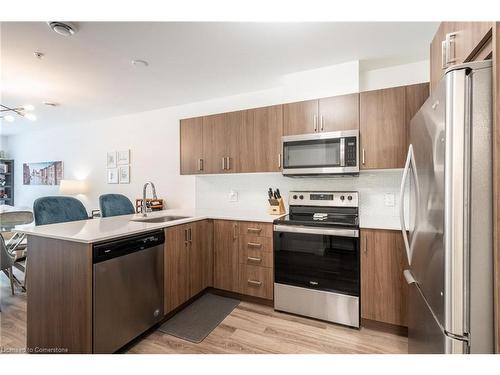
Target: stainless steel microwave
{"points": [[321, 153]]}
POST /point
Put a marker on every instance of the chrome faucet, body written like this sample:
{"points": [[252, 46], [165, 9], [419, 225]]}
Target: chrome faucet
{"points": [[144, 208]]}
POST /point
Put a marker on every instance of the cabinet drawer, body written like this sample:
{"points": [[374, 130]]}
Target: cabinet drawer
{"points": [[264, 244], [256, 281], [256, 229], [256, 257]]}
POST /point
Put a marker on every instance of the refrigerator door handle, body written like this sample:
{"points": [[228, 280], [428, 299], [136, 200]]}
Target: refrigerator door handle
{"points": [[402, 202], [409, 277]]}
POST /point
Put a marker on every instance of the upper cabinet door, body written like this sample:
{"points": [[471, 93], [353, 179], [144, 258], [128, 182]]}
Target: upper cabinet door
{"points": [[260, 140], [339, 113], [383, 129], [221, 142], [300, 118], [415, 97], [191, 131]]}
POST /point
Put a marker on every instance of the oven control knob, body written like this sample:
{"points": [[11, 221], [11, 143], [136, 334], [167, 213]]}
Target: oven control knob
{"points": [[349, 198], [294, 197], [342, 197], [301, 197]]}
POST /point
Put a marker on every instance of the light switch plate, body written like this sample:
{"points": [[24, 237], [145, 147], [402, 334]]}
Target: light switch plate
{"points": [[389, 200], [233, 196]]}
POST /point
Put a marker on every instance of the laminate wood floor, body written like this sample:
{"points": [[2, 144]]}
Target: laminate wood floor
{"points": [[250, 328]]}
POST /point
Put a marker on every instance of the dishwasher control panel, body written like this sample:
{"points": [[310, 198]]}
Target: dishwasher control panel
{"points": [[123, 246]]}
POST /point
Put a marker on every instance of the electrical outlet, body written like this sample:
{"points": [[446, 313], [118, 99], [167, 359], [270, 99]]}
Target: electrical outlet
{"points": [[389, 200], [233, 196]]}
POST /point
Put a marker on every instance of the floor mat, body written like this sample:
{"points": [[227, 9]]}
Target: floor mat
{"points": [[196, 321]]}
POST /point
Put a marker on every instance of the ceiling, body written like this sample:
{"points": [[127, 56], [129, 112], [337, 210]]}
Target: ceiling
{"points": [[91, 76]]}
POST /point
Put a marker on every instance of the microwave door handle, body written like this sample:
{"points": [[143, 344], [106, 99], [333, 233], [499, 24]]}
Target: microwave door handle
{"points": [[342, 152], [402, 201]]}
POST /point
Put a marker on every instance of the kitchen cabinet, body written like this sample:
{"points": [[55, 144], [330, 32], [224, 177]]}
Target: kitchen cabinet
{"points": [[191, 146], [339, 113], [260, 140], [324, 115], [383, 287], [383, 131], [456, 43], [221, 142], [415, 97], [176, 260], [226, 255], [188, 262], [300, 117]]}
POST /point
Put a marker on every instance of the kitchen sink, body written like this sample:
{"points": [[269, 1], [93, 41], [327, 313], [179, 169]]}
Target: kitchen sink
{"points": [[160, 219]]}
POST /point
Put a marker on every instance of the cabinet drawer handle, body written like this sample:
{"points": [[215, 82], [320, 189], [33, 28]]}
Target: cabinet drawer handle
{"points": [[254, 244], [322, 122], [254, 282], [279, 160], [223, 166], [252, 259], [235, 231], [200, 164], [363, 157], [228, 163], [254, 230], [315, 122]]}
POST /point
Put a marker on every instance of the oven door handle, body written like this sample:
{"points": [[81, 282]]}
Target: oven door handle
{"points": [[339, 232]]}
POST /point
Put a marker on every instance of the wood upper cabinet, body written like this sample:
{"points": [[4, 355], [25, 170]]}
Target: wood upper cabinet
{"points": [[415, 97], [300, 117], [383, 133], [176, 267], [339, 113], [221, 136], [260, 140], [456, 43], [384, 289], [191, 145], [226, 255]]}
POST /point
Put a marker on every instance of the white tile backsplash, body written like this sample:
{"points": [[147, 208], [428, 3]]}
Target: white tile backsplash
{"points": [[213, 192]]}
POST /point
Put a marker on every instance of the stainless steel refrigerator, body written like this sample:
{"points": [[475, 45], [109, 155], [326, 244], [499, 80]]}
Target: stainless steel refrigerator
{"points": [[449, 242]]}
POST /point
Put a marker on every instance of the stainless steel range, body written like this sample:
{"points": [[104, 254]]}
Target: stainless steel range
{"points": [[316, 257]]}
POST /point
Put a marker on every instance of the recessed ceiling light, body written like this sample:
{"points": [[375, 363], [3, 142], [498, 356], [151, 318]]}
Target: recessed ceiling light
{"points": [[9, 118], [38, 55], [30, 116], [28, 107], [51, 104], [139, 62], [63, 28]]}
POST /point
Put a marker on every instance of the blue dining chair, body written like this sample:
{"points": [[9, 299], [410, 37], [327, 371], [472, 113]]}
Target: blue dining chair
{"points": [[115, 205], [51, 210]]}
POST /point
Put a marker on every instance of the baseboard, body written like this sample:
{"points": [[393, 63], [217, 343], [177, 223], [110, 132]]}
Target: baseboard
{"points": [[385, 327]]}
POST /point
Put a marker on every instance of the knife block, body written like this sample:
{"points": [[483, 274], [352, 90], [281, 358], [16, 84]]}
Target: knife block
{"points": [[278, 209]]}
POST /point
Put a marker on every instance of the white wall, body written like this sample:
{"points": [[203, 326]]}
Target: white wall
{"points": [[393, 76], [153, 138], [4, 144]]}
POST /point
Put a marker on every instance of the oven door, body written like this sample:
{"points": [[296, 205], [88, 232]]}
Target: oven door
{"points": [[325, 259], [320, 153]]}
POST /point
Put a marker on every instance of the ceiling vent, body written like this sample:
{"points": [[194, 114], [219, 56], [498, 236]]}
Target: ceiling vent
{"points": [[63, 28]]}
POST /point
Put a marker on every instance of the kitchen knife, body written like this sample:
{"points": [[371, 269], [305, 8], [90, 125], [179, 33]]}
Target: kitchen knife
{"points": [[278, 193], [270, 193]]}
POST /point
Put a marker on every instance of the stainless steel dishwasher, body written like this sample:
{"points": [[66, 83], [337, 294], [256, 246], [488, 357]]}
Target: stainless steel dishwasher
{"points": [[128, 289]]}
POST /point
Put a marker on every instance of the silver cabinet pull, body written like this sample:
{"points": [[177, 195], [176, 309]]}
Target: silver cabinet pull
{"points": [[235, 234], [252, 259], [322, 122], [228, 164], [450, 48], [223, 163], [279, 160], [315, 123], [363, 157], [254, 244], [200, 164], [190, 235], [254, 230], [254, 282], [186, 236]]}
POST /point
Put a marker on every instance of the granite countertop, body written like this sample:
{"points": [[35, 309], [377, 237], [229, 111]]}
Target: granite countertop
{"points": [[101, 229]]}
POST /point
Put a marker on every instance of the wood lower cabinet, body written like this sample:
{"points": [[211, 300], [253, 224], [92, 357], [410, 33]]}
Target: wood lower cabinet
{"points": [[176, 260], [260, 140], [300, 117], [191, 147], [256, 281], [188, 262], [383, 141], [226, 255], [383, 287], [458, 42], [339, 113]]}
